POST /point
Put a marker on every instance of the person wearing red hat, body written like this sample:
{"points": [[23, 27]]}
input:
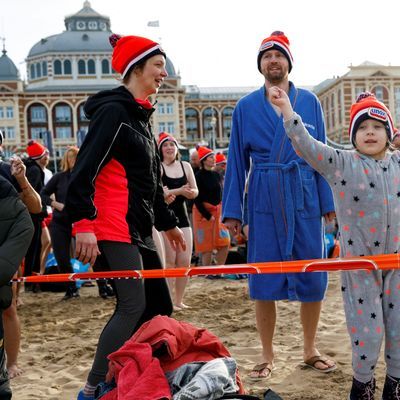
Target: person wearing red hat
{"points": [[286, 201], [220, 166], [35, 164], [115, 195], [366, 187], [178, 181], [209, 232]]}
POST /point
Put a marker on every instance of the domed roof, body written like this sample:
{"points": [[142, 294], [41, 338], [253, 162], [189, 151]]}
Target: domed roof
{"points": [[8, 70], [72, 41], [87, 32]]}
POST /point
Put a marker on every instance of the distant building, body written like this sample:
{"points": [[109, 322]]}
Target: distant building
{"points": [[65, 68], [337, 95]]}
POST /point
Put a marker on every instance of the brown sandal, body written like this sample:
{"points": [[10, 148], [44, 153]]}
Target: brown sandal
{"points": [[312, 361], [261, 371]]}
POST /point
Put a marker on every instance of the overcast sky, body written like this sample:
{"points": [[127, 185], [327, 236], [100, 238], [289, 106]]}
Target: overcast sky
{"points": [[215, 42]]}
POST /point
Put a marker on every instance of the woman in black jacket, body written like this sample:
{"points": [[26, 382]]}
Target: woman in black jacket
{"points": [[61, 226], [116, 195]]}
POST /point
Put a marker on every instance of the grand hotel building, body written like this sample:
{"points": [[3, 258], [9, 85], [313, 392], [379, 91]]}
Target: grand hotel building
{"points": [[65, 68]]}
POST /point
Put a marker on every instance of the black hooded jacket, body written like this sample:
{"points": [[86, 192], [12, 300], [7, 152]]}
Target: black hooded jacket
{"points": [[120, 134]]}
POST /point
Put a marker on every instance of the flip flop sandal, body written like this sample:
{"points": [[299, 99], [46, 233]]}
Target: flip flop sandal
{"points": [[260, 369], [311, 362]]}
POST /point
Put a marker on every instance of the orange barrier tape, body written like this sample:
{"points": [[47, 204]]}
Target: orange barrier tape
{"points": [[383, 262]]}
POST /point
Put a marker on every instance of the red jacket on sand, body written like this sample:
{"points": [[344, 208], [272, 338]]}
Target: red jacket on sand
{"points": [[174, 343]]}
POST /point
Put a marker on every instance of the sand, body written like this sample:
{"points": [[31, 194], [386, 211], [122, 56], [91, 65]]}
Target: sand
{"points": [[59, 339]]}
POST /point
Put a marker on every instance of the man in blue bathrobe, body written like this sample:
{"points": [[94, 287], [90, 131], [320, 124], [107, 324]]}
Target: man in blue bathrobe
{"points": [[286, 202]]}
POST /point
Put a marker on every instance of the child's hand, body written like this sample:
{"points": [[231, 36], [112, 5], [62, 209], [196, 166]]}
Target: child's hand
{"points": [[279, 98]]}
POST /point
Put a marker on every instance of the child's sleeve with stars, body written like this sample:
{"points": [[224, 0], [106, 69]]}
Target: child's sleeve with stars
{"points": [[324, 159]]}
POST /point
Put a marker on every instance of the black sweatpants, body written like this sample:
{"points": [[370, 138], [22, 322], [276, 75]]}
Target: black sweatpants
{"points": [[137, 300], [61, 236], [32, 257]]}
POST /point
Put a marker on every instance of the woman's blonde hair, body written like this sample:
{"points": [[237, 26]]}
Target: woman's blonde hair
{"points": [[64, 162]]}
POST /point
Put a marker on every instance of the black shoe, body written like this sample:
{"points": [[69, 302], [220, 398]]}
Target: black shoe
{"points": [[391, 390], [362, 391], [103, 292], [110, 291], [71, 294]]}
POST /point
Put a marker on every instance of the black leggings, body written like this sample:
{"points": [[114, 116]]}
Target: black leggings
{"points": [[137, 301], [61, 236]]}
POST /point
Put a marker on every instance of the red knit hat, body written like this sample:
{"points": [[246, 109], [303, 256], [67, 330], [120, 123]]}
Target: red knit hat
{"points": [[130, 50], [220, 159], [203, 152], [35, 150], [164, 137], [368, 107], [277, 41]]}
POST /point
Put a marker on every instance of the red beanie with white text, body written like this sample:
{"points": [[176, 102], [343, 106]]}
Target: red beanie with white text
{"points": [[368, 107]]}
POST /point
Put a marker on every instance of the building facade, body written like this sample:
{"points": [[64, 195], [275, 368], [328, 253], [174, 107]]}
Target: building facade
{"points": [[337, 95], [64, 69]]}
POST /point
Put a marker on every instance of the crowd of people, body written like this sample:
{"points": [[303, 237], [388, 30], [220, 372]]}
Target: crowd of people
{"points": [[125, 200]]}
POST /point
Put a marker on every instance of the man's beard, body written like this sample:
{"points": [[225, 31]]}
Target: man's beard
{"points": [[275, 77]]}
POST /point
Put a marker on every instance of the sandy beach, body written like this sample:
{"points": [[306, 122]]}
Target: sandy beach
{"points": [[59, 340]]}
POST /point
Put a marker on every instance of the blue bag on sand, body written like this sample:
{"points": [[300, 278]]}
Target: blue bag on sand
{"points": [[79, 267]]}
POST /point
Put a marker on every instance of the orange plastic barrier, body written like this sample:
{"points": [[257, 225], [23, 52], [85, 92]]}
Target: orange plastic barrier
{"points": [[383, 262]]}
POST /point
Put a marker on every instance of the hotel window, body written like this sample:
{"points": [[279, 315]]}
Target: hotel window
{"points": [[170, 127], [10, 132], [81, 67], [9, 112], [32, 71], [161, 108], [63, 113], [37, 121], [105, 67], [169, 108], [38, 70], [1, 112], [37, 133], [192, 124], [162, 127], [38, 114], [63, 132], [339, 102], [57, 67], [379, 93], [91, 67], [44, 68], [227, 121], [67, 67]]}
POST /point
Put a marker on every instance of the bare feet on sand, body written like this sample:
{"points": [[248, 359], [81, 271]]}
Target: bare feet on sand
{"points": [[14, 371]]}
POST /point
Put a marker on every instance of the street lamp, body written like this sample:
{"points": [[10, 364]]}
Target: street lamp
{"points": [[213, 124]]}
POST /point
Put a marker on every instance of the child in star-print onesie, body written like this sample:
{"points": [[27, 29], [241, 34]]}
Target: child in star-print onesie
{"points": [[366, 187]]}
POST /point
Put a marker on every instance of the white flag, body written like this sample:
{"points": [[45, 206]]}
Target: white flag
{"points": [[154, 24]]}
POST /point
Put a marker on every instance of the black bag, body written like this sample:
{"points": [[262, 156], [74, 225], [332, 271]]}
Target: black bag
{"points": [[239, 396]]}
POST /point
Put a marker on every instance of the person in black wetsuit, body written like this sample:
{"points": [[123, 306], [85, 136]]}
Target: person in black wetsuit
{"points": [[179, 181]]}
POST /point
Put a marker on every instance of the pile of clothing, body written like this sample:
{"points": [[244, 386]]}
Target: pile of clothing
{"points": [[170, 359]]}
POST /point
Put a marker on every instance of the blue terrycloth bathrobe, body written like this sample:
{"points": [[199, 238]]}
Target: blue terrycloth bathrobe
{"points": [[286, 197]]}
